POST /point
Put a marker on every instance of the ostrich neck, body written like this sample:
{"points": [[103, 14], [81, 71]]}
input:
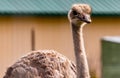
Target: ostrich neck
{"points": [[81, 60]]}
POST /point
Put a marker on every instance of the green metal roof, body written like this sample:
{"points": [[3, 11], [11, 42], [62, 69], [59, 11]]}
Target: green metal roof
{"points": [[56, 7]]}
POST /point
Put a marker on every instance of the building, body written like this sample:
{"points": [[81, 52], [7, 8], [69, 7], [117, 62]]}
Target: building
{"points": [[51, 28]]}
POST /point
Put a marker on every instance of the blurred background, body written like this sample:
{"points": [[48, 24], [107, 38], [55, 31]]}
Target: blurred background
{"points": [[27, 25]]}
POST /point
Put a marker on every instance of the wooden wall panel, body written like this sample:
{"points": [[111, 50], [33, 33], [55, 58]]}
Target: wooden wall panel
{"points": [[54, 34], [14, 41]]}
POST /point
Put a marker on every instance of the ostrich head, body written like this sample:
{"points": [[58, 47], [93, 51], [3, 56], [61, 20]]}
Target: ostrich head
{"points": [[80, 13]]}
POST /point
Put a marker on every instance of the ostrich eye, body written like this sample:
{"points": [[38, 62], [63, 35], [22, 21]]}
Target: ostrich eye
{"points": [[74, 12]]}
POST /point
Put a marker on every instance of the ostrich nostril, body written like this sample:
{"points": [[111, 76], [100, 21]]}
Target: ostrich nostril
{"points": [[83, 17]]}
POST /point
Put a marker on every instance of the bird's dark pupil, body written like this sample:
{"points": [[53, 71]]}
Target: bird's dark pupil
{"points": [[74, 12]]}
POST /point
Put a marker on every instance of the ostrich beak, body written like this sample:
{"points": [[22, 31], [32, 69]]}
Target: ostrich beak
{"points": [[87, 18]]}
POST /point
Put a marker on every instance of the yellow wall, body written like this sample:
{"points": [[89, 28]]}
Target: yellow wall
{"points": [[51, 33], [100, 27]]}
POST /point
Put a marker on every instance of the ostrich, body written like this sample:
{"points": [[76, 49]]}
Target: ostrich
{"points": [[51, 64]]}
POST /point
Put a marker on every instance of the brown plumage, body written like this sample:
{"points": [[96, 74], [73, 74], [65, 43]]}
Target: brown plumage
{"points": [[51, 64], [42, 64]]}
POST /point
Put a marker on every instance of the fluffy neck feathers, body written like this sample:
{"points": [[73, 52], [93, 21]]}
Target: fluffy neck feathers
{"points": [[81, 60]]}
